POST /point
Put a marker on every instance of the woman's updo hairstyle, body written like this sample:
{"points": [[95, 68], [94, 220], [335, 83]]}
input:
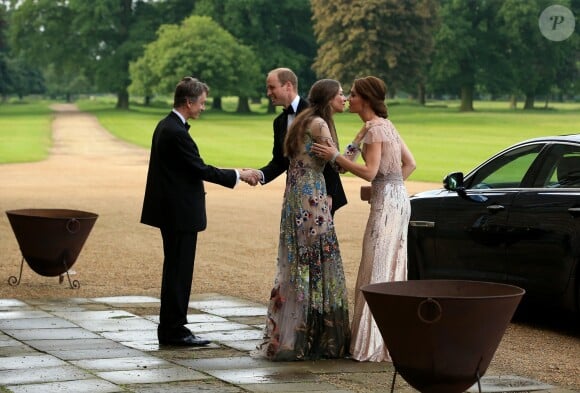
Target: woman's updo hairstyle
{"points": [[374, 91]]}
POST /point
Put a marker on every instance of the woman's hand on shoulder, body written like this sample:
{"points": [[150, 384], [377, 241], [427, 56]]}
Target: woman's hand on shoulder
{"points": [[325, 149]]}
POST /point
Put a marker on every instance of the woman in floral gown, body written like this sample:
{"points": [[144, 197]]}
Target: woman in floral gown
{"points": [[387, 162], [308, 309]]}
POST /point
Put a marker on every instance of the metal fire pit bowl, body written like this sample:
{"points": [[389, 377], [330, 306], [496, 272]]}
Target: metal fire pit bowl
{"points": [[442, 334], [50, 239]]}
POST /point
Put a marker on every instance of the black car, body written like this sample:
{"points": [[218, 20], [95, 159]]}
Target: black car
{"points": [[514, 219]]}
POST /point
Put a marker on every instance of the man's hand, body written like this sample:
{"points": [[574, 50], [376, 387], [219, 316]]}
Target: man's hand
{"points": [[250, 176]]}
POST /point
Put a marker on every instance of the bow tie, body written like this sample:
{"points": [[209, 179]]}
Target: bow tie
{"points": [[289, 110], [186, 126]]}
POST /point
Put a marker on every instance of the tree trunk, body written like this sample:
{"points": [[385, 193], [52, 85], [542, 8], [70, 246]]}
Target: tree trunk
{"points": [[529, 104], [217, 104], [421, 94], [513, 102], [123, 99], [243, 105], [271, 107], [147, 101], [466, 99]]}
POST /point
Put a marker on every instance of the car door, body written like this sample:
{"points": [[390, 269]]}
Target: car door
{"points": [[544, 225], [471, 230]]}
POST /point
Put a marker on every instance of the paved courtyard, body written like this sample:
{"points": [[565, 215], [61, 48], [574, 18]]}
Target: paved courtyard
{"points": [[109, 344]]}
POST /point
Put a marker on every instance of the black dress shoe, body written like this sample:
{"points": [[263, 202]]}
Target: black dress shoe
{"points": [[187, 341]]}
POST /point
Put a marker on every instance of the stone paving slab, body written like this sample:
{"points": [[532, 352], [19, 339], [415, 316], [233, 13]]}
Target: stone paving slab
{"points": [[204, 386], [310, 387], [111, 325], [30, 361], [94, 345], [35, 323], [508, 383], [123, 363], [289, 374], [23, 314], [86, 385], [11, 303], [153, 375], [239, 311], [244, 346], [42, 374], [95, 353], [51, 334], [102, 315], [51, 345]]}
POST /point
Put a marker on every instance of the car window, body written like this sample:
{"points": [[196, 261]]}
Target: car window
{"points": [[562, 167], [506, 170]]}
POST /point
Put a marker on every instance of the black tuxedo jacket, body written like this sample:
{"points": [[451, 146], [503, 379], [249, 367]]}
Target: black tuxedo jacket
{"points": [[174, 194], [279, 163]]}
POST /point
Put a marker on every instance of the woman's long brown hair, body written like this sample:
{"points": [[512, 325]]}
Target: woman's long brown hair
{"points": [[321, 94]]}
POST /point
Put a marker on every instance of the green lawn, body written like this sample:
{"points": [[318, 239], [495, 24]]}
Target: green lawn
{"points": [[441, 138], [24, 132]]}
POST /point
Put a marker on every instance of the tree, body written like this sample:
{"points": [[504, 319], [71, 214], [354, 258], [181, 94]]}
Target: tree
{"points": [[280, 32], [536, 64], [390, 39], [5, 83], [24, 78], [58, 84], [469, 48], [96, 39], [39, 34], [201, 48]]}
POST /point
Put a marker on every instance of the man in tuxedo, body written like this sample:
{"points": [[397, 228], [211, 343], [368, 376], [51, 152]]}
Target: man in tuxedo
{"points": [[174, 202], [282, 89]]}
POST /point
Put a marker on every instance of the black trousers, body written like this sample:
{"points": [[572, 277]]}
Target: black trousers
{"points": [[179, 257]]}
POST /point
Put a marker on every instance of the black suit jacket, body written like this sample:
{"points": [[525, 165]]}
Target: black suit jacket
{"points": [[174, 194], [279, 163]]}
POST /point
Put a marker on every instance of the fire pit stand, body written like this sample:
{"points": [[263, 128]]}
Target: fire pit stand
{"points": [[442, 334], [74, 284], [50, 240]]}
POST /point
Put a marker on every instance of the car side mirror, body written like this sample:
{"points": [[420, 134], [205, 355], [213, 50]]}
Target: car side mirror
{"points": [[454, 182]]}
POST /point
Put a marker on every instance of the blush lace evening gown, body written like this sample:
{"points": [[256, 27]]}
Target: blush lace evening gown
{"points": [[384, 253], [308, 310]]}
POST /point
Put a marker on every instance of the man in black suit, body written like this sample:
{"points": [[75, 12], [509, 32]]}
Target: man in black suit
{"points": [[175, 203], [282, 89]]}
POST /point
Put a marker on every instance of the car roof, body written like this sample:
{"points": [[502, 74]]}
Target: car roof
{"points": [[555, 138]]}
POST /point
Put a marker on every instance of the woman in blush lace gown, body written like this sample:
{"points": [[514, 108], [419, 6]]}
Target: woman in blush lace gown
{"points": [[387, 163], [308, 310]]}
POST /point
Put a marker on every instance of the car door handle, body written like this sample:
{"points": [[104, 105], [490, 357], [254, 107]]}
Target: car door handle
{"points": [[495, 208], [575, 211], [422, 224]]}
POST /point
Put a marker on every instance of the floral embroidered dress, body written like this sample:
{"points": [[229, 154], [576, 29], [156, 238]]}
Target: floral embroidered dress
{"points": [[384, 254], [308, 309]]}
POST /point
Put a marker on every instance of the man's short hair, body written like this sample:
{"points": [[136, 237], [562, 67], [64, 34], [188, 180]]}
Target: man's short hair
{"points": [[188, 88], [286, 75]]}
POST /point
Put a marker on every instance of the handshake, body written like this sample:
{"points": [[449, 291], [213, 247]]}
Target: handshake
{"points": [[250, 176]]}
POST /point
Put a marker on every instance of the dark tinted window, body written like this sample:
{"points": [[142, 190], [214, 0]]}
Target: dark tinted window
{"points": [[507, 170], [561, 168]]}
